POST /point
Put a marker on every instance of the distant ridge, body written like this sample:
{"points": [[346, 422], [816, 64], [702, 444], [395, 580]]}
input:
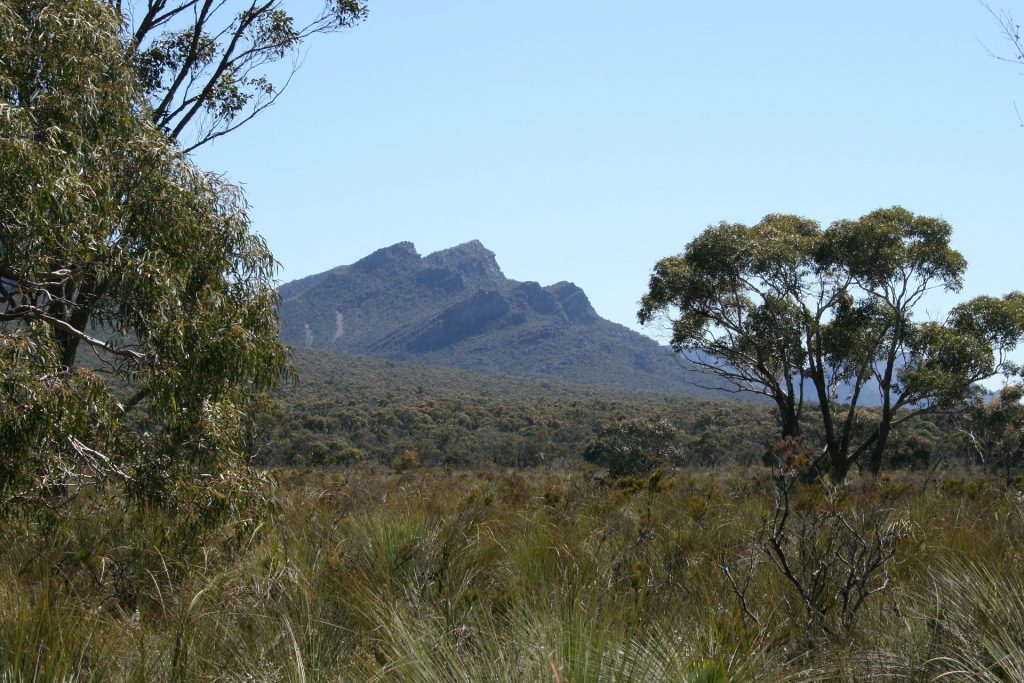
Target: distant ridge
{"points": [[456, 308]]}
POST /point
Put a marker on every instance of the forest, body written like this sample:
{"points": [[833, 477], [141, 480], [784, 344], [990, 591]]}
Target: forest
{"points": [[837, 496]]}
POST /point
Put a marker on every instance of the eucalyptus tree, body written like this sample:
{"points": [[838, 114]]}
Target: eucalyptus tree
{"points": [[819, 319], [116, 250], [1013, 47], [209, 66], [993, 431]]}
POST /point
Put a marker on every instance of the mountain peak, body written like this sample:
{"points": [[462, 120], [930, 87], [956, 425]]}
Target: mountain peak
{"points": [[397, 254], [574, 302], [455, 307], [469, 258]]}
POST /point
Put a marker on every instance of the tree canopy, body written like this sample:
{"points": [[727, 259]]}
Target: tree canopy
{"points": [[209, 66], [137, 308], [994, 430], [812, 316], [634, 447]]}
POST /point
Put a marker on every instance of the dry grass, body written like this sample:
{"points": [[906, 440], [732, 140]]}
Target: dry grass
{"points": [[433, 575]]}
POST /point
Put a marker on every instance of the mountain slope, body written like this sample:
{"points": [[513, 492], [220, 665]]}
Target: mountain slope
{"points": [[456, 308]]}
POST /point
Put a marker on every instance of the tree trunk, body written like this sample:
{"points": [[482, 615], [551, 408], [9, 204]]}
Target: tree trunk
{"points": [[839, 467], [790, 423], [81, 311], [875, 461]]}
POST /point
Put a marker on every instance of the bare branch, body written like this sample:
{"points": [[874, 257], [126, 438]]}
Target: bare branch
{"points": [[28, 312]]}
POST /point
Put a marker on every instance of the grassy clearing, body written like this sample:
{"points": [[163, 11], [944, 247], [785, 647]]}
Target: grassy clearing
{"points": [[435, 575]]}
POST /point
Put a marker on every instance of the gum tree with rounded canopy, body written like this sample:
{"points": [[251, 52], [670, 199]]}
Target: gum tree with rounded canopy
{"points": [[818, 318], [115, 248]]}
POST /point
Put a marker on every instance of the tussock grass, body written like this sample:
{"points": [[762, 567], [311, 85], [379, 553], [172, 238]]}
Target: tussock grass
{"points": [[444, 576]]}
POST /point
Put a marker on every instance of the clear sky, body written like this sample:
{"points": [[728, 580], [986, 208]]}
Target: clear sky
{"points": [[583, 141]]}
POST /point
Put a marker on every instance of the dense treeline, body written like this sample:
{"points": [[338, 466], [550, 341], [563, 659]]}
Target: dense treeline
{"points": [[348, 409]]}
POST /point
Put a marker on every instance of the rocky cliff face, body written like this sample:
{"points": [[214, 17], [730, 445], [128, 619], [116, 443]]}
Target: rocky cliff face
{"points": [[455, 307]]}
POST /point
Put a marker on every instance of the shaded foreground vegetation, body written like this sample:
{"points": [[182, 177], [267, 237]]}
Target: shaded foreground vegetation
{"points": [[499, 575]]}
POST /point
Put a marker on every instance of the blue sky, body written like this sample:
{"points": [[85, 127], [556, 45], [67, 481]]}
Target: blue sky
{"points": [[583, 141]]}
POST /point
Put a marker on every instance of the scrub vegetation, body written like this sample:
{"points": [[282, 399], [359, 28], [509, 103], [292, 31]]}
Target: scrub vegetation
{"points": [[628, 553], [182, 498], [548, 575]]}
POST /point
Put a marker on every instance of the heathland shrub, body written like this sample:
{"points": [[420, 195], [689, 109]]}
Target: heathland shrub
{"points": [[634, 447], [406, 460]]}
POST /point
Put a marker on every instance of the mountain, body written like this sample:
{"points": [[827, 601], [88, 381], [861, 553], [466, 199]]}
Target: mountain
{"points": [[456, 308]]}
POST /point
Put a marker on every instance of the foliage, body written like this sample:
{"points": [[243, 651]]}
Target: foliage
{"points": [[916, 446], [994, 432], [344, 409], [442, 575], [342, 404], [798, 313], [634, 447], [115, 247], [406, 460], [207, 66]]}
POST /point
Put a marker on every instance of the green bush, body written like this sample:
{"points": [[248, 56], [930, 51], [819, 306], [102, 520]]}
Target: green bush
{"points": [[634, 447]]}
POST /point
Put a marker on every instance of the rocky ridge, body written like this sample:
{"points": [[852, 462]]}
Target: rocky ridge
{"points": [[456, 308]]}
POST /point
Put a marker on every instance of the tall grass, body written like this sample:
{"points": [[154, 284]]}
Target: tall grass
{"points": [[432, 575]]}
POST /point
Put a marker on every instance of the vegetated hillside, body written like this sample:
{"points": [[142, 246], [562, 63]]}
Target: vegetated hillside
{"points": [[345, 408], [456, 308]]}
